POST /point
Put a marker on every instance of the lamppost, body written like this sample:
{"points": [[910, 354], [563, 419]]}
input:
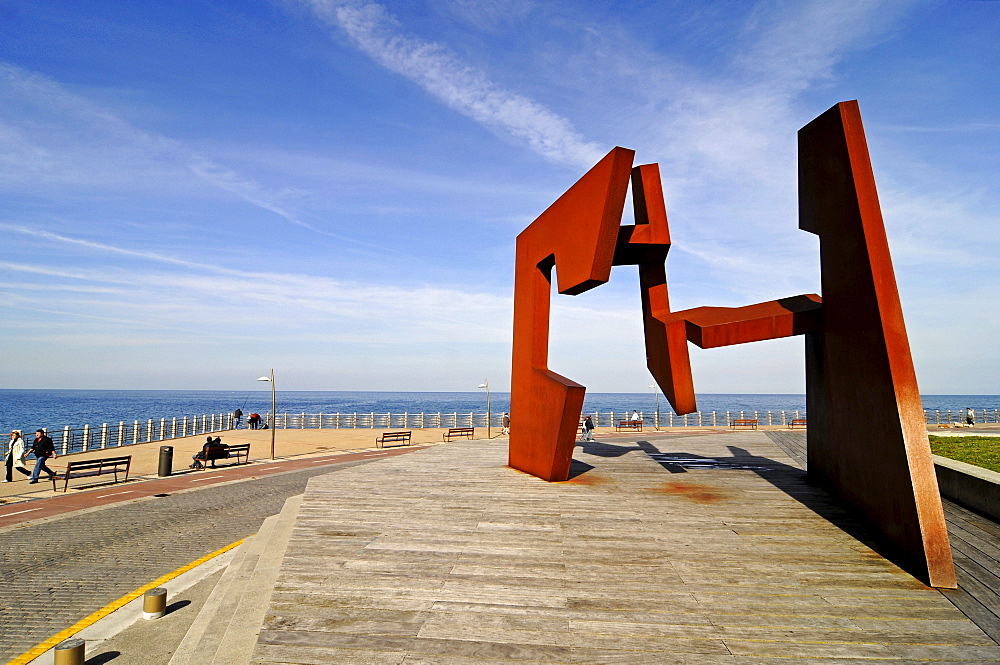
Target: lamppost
{"points": [[489, 412], [274, 411], [657, 394]]}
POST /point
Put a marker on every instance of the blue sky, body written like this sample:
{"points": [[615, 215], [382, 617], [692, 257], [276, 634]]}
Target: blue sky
{"points": [[194, 192]]}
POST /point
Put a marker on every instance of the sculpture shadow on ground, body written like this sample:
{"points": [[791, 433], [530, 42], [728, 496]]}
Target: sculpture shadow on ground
{"points": [[791, 480]]}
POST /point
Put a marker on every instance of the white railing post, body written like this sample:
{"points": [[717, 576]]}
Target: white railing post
{"points": [[104, 436], [67, 436], [85, 443], [135, 432], [121, 432]]}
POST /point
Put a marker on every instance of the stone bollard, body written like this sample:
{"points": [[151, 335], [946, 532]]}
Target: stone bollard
{"points": [[70, 652], [154, 603]]}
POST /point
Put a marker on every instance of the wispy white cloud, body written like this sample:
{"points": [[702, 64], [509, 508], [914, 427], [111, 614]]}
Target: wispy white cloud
{"points": [[794, 45], [487, 15], [203, 292], [63, 139], [461, 87]]}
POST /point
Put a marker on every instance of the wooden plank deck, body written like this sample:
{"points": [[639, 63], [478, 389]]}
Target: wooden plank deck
{"points": [[975, 545], [447, 556]]}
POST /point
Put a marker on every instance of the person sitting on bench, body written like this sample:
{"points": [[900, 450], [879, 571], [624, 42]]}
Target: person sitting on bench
{"points": [[212, 450]]}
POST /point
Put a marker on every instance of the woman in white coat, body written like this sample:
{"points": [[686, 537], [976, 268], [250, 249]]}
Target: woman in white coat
{"points": [[15, 456]]}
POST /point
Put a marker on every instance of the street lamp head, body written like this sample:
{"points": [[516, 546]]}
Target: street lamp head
{"points": [[264, 378], [483, 385]]}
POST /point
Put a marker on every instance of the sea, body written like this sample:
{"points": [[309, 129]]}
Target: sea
{"points": [[29, 410]]}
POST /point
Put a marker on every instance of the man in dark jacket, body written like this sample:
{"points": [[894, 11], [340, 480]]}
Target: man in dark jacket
{"points": [[211, 451], [42, 449]]}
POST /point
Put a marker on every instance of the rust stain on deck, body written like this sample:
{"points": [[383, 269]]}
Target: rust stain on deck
{"points": [[587, 479], [694, 491]]}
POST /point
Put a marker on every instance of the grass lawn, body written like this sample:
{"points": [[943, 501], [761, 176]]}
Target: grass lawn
{"points": [[982, 451]]}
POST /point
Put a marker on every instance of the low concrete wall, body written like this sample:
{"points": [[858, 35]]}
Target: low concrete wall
{"points": [[972, 486]]}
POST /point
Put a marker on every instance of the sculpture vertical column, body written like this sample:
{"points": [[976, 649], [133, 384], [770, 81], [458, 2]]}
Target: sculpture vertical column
{"points": [[867, 441]]}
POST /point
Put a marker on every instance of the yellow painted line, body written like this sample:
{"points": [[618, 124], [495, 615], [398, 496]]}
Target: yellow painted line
{"points": [[86, 622]]}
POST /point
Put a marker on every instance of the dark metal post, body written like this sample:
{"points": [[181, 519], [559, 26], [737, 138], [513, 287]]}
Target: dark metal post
{"points": [[166, 461]]}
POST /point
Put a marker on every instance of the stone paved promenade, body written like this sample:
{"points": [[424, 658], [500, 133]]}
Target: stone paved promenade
{"points": [[647, 555]]}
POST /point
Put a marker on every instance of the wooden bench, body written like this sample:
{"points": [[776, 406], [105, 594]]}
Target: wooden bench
{"points": [[629, 424], [745, 422], [86, 468], [797, 422], [240, 450], [388, 437], [454, 432]]}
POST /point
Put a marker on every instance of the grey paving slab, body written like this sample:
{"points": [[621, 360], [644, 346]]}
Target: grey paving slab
{"points": [[56, 572], [448, 556]]}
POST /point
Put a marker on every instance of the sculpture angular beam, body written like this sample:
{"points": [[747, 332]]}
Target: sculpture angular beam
{"points": [[576, 235]]}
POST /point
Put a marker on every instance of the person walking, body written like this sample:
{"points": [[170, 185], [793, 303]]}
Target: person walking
{"points": [[505, 421], [15, 456], [970, 417], [635, 416], [588, 429], [43, 450], [237, 417]]}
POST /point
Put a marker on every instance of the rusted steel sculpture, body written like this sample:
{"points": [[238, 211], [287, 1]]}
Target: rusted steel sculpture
{"points": [[857, 354]]}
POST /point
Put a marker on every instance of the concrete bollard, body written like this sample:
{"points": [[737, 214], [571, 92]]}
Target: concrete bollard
{"points": [[70, 652], [154, 603]]}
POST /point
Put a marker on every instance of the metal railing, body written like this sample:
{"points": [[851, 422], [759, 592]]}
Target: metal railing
{"points": [[75, 440], [72, 440]]}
